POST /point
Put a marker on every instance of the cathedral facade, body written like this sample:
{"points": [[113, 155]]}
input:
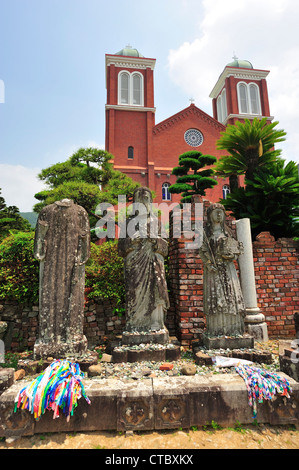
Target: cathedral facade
{"points": [[146, 151]]}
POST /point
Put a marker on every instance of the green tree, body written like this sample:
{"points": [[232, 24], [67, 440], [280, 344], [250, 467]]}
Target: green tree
{"points": [[250, 145], [189, 184], [270, 200], [87, 178], [11, 220]]}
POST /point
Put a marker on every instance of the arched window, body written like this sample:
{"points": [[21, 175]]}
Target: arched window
{"points": [[249, 98], [254, 99], [224, 106], [219, 109], [243, 99], [131, 152], [130, 88], [221, 106], [124, 88], [166, 196], [225, 190], [136, 88]]}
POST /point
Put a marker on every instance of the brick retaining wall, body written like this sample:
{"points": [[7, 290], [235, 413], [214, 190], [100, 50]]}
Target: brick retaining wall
{"points": [[100, 321], [276, 270]]}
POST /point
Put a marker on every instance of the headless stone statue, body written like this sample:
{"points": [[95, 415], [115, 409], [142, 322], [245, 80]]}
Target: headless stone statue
{"points": [[146, 289], [62, 244], [222, 297]]}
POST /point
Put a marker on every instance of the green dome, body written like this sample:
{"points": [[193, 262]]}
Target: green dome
{"points": [[244, 64], [129, 52]]}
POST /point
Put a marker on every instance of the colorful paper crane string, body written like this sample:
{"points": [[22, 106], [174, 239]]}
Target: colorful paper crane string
{"points": [[262, 385], [58, 386]]}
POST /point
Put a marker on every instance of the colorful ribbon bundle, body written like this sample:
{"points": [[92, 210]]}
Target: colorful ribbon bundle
{"points": [[262, 385], [58, 386]]}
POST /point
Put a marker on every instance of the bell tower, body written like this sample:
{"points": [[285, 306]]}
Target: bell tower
{"points": [[240, 93], [130, 112]]}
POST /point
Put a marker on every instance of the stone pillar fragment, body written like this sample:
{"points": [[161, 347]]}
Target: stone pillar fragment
{"points": [[254, 321]]}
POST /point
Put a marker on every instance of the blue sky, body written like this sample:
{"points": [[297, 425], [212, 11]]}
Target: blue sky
{"points": [[52, 63]]}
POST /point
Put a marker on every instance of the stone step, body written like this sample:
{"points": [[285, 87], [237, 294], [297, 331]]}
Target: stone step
{"points": [[153, 404]]}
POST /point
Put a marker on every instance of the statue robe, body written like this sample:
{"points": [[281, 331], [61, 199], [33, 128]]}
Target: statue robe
{"points": [[222, 296], [62, 241], [146, 290]]}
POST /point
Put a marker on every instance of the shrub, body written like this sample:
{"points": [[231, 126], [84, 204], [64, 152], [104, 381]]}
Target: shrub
{"points": [[19, 270], [104, 273]]}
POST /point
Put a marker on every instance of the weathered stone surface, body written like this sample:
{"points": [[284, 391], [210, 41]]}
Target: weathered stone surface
{"points": [[189, 369], [3, 328], [202, 359], [106, 357], [173, 353], [62, 244], [158, 403], [19, 374], [225, 342], [147, 298], [223, 302], [6, 378], [95, 370]]}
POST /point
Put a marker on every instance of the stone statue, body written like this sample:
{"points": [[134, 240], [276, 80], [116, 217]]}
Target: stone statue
{"points": [[62, 245], [222, 296], [146, 289]]}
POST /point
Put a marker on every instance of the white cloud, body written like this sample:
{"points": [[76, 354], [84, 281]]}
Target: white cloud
{"points": [[261, 31], [18, 186]]}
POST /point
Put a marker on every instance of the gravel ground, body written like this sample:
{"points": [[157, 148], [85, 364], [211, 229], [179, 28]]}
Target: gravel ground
{"points": [[142, 370]]}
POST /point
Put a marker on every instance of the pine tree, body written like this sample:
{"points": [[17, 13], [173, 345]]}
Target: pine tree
{"points": [[191, 178]]}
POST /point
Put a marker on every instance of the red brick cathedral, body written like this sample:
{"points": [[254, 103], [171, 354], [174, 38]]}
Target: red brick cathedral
{"points": [[146, 151]]}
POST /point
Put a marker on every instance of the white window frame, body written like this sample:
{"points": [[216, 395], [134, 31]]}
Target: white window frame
{"points": [[166, 186], [222, 106], [130, 100], [225, 190], [248, 98]]}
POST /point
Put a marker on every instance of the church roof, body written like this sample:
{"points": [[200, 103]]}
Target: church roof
{"points": [[129, 51], [184, 113], [244, 64]]}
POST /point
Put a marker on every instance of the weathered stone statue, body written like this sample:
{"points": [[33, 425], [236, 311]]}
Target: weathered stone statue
{"points": [[146, 289], [62, 244], [222, 297]]}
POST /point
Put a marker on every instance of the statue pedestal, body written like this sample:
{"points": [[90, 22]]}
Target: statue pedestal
{"points": [[146, 346], [60, 350], [136, 338], [228, 342]]}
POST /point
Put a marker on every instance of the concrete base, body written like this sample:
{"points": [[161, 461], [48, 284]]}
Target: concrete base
{"points": [[228, 342], [128, 354], [60, 350], [259, 331], [289, 358], [136, 338], [153, 404]]}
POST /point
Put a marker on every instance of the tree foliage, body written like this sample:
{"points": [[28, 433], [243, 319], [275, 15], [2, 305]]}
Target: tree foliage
{"points": [[87, 178], [19, 270], [191, 178], [250, 145], [270, 200], [10, 219], [104, 273]]}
